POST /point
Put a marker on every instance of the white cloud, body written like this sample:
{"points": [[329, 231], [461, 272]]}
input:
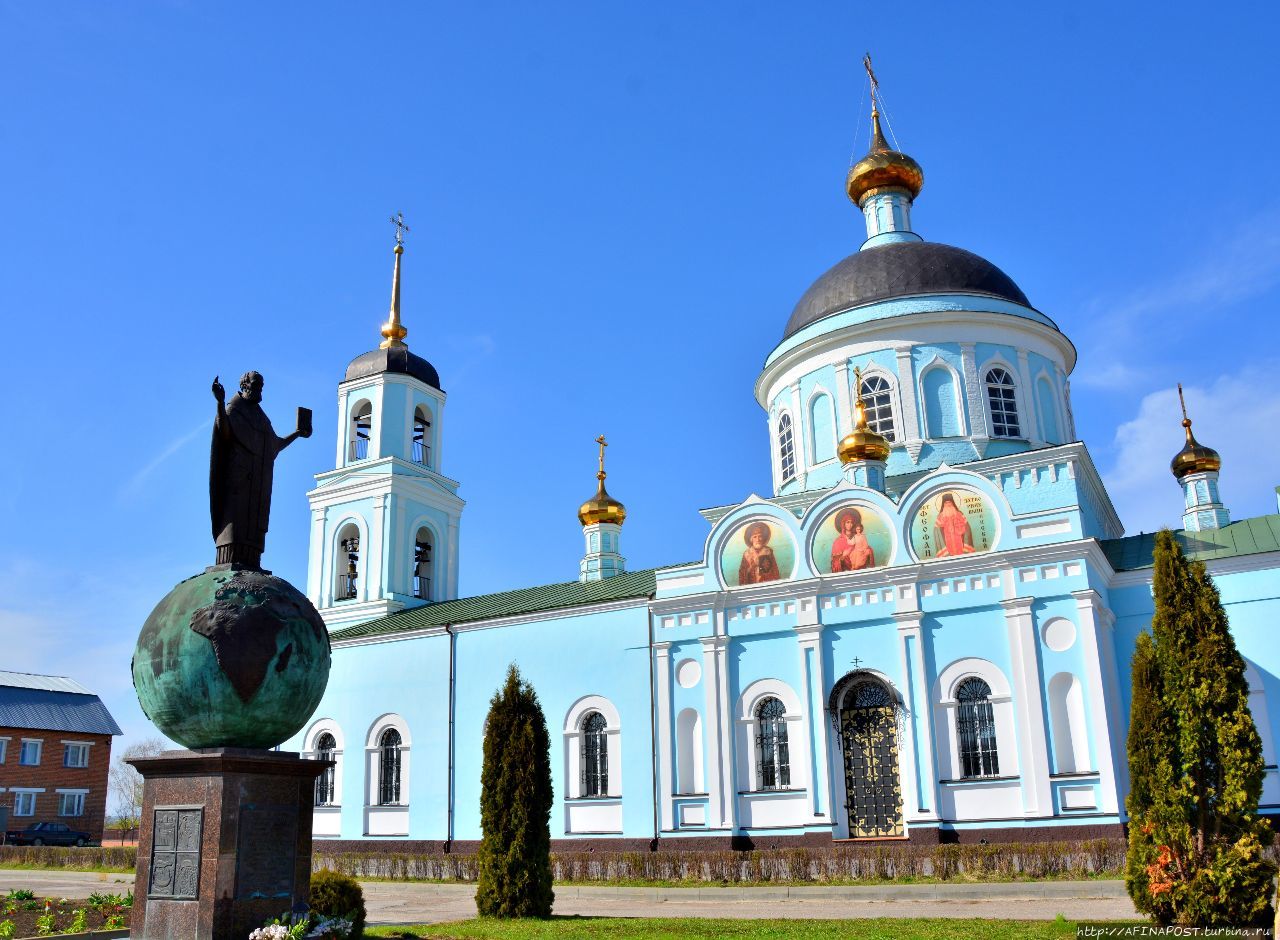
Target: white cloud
{"points": [[133, 485], [1238, 415]]}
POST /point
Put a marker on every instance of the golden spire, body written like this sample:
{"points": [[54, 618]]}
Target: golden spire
{"points": [[393, 333], [862, 443], [882, 167], [602, 507], [1194, 456]]}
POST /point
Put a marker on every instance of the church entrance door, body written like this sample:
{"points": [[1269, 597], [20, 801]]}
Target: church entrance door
{"points": [[869, 736]]}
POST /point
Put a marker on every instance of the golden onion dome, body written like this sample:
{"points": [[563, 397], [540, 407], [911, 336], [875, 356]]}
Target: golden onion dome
{"points": [[602, 508], [1194, 456], [862, 443], [883, 168]]}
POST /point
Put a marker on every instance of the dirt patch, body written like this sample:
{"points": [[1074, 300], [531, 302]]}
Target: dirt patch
{"points": [[33, 917]]}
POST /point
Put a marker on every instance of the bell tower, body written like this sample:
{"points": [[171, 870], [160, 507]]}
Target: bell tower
{"points": [[384, 521]]}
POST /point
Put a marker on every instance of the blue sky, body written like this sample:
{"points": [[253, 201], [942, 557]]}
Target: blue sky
{"points": [[614, 208]]}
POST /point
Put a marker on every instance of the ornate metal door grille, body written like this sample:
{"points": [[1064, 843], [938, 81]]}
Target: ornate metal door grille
{"points": [[868, 732]]}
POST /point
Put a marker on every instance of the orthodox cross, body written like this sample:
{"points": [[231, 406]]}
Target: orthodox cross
{"points": [[856, 661], [1182, 401], [875, 84], [398, 221], [603, 444]]}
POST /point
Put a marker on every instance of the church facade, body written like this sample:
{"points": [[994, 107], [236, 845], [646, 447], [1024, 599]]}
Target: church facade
{"points": [[922, 633]]}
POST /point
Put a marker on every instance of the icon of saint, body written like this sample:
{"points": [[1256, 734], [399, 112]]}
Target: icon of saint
{"points": [[851, 551], [954, 534], [758, 562]]}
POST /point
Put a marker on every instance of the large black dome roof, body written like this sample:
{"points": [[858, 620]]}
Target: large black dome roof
{"points": [[396, 359], [901, 269]]}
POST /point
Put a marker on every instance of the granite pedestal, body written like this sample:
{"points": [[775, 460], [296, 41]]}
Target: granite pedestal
{"points": [[225, 841]]}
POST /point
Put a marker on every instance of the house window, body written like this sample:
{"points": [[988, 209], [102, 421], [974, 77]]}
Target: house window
{"points": [[876, 398], [1003, 404], [4, 746], [595, 756], [24, 804], [787, 448], [421, 437], [361, 430], [389, 768], [29, 756], [70, 804], [773, 762], [422, 565], [326, 749], [976, 729], [76, 755]]}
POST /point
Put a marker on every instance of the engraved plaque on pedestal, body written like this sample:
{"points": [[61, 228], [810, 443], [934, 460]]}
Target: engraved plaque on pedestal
{"points": [[175, 853], [267, 851]]}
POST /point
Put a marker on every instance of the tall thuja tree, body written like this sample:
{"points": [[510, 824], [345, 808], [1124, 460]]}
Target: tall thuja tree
{"points": [[1195, 762], [515, 806]]}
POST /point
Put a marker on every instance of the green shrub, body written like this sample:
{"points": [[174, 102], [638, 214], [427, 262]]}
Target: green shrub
{"points": [[337, 895]]}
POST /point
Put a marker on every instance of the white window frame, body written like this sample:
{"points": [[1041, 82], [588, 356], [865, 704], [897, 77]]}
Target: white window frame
{"points": [[22, 752], [995, 362], [78, 798], [573, 719], [947, 710], [895, 400], [748, 729], [339, 565], [78, 747], [4, 749], [783, 477], [25, 794], [329, 726], [373, 770]]}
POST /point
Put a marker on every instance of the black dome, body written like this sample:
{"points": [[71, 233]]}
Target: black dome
{"points": [[901, 269], [398, 359]]}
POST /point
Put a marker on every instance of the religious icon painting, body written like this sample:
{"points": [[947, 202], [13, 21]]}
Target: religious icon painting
{"points": [[852, 537], [953, 522], [756, 552]]}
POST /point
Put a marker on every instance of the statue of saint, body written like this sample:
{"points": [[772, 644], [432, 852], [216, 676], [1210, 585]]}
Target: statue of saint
{"points": [[242, 459]]}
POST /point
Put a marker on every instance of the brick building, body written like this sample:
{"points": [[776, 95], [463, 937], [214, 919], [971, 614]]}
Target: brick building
{"points": [[55, 752]]}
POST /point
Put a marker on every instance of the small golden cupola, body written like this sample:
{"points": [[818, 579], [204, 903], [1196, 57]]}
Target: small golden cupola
{"points": [[1194, 456], [862, 451], [883, 168], [602, 507]]}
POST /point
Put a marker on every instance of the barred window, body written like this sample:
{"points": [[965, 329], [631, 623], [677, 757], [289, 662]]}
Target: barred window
{"points": [[773, 761], [787, 448], [361, 430], [421, 436], [325, 749], [422, 565], [976, 728], [879, 405], [1003, 404], [595, 756], [389, 768]]}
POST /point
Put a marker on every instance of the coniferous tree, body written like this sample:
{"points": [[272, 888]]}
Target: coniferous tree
{"points": [[515, 806], [1195, 762]]}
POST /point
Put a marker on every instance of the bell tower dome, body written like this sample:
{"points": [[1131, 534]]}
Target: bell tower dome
{"points": [[384, 521]]}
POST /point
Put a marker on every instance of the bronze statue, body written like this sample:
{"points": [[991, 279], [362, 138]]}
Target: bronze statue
{"points": [[241, 461]]}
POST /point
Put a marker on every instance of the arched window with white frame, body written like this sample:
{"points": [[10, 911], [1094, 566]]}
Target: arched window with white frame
{"points": [[1002, 403], [973, 718], [326, 748], [361, 430], [389, 768], [595, 755], [786, 448], [773, 751], [346, 566], [877, 398], [593, 749], [976, 729], [422, 564]]}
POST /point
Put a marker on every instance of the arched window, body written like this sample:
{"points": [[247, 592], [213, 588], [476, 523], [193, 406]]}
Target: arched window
{"points": [[595, 756], [325, 749], [347, 564], [976, 729], [1066, 711], [689, 777], [361, 429], [822, 432], [389, 768], [1002, 403], [773, 759], [421, 436], [879, 405], [422, 565], [1048, 411], [786, 448], [940, 415]]}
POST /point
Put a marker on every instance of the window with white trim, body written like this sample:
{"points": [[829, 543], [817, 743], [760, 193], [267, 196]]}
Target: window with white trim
{"points": [[773, 758], [422, 564], [346, 575], [24, 804], [4, 746], [595, 756], [326, 749], [361, 431], [76, 755], [70, 804], [786, 448], [878, 400], [29, 755], [1002, 402], [421, 436], [389, 768], [976, 729]]}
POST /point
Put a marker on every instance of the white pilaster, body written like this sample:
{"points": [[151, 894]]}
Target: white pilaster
{"points": [[800, 435], [315, 557], [844, 402], [919, 763], [1027, 392], [976, 399], [1104, 709], [909, 420], [1028, 703], [662, 704], [813, 679], [721, 804]]}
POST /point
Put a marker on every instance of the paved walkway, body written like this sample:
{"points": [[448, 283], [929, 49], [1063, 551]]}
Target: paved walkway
{"points": [[404, 902]]}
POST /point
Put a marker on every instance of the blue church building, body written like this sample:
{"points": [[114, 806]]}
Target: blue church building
{"points": [[923, 633]]}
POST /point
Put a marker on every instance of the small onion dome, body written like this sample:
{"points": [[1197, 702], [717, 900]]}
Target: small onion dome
{"points": [[862, 443], [883, 168], [1194, 456], [602, 508]]}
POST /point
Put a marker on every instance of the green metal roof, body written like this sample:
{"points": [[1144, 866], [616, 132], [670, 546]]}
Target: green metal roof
{"points": [[1246, 537], [633, 584]]}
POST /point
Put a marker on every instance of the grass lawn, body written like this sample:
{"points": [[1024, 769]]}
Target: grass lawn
{"points": [[582, 928]]}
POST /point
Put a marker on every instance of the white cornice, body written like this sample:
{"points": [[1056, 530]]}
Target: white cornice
{"points": [[1236, 564]]}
